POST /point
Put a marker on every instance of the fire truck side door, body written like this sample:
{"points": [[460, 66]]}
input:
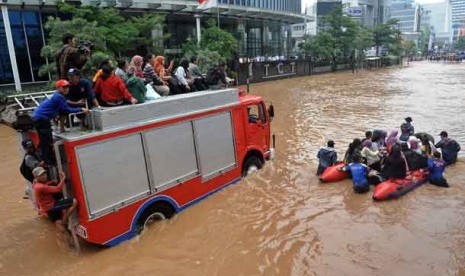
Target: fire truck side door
{"points": [[257, 126]]}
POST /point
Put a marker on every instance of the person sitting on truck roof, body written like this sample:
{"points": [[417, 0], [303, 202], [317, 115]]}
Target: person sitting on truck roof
{"points": [[216, 77], [185, 80], [57, 211], [99, 71], [112, 90], [80, 94], [151, 76], [121, 69], [136, 86], [48, 110]]}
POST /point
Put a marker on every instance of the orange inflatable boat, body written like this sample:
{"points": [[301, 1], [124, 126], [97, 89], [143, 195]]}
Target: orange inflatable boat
{"points": [[395, 188], [333, 174]]}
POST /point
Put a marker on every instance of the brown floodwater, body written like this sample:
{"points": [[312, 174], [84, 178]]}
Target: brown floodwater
{"points": [[282, 221]]}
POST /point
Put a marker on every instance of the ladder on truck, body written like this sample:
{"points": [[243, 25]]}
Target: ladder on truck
{"points": [[28, 102]]}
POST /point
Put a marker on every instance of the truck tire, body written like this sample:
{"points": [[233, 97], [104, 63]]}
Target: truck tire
{"points": [[152, 214], [250, 162]]}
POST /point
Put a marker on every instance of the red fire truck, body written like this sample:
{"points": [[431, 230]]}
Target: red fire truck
{"points": [[147, 162]]}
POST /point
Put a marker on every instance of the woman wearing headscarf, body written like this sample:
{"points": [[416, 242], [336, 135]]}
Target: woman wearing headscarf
{"points": [[395, 165], [354, 149], [391, 139], [372, 157], [136, 63]]}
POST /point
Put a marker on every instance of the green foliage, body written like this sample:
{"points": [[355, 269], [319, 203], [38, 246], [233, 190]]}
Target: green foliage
{"points": [[388, 35], [460, 44], [216, 45], [109, 31], [218, 40], [322, 45], [409, 47]]}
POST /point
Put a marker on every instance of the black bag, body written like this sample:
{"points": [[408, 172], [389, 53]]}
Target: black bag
{"points": [[26, 172]]}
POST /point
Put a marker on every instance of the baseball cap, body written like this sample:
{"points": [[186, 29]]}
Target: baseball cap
{"points": [[27, 143], [62, 83], [38, 171], [74, 72], [443, 133]]}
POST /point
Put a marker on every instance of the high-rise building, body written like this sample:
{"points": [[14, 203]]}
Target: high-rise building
{"points": [[408, 15], [439, 21], [458, 18], [368, 12]]}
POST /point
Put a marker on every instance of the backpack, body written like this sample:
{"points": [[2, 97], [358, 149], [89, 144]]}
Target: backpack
{"points": [[26, 172]]}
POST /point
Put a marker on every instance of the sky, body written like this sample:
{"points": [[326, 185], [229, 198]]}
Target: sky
{"points": [[309, 2]]}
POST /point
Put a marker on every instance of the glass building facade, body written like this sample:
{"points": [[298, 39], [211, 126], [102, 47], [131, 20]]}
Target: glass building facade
{"points": [[28, 38], [292, 6], [458, 18]]}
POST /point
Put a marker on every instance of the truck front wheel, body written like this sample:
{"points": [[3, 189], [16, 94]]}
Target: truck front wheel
{"points": [[153, 214], [252, 163]]}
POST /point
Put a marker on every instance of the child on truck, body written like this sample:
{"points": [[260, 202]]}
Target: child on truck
{"points": [[57, 211]]}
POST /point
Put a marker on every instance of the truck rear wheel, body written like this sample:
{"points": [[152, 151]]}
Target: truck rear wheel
{"points": [[153, 214], [250, 164]]}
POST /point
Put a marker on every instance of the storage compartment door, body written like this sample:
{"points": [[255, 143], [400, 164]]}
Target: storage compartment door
{"points": [[215, 144], [113, 173], [171, 152]]}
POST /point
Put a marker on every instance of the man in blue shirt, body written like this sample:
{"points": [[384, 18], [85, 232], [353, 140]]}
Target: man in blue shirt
{"points": [[449, 148], [48, 110], [436, 167], [359, 172], [80, 95], [80, 91]]}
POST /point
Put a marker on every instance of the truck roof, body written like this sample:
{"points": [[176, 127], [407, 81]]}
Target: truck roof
{"points": [[164, 108]]}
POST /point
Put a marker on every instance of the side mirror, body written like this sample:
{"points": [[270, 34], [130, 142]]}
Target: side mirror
{"points": [[271, 111]]}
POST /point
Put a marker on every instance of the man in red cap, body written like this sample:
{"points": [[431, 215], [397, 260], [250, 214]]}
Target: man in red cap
{"points": [[48, 110]]}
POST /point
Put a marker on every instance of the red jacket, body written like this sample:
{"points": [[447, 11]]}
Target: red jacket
{"points": [[43, 193], [112, 89]]}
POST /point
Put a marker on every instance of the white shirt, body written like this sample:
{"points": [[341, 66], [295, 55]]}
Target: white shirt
{"points": [[181, 75]]}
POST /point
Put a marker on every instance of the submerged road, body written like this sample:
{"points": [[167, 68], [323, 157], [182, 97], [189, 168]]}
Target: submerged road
{"points": [[282, 221]]}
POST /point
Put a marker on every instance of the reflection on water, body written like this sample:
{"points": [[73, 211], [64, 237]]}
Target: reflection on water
{"points": [[281, 221]]}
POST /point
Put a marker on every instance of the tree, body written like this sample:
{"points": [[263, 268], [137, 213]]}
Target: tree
{"points": [[342, 36], [460, 44], [343, 29], [218, 40], [409, 47], [216, 45], [110, 32], [388, 35], [322, 45]]}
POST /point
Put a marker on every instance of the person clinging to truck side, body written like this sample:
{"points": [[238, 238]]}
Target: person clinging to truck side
{"points": [[57, 211], [49, 109]]}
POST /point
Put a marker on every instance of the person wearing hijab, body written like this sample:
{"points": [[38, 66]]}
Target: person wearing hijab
{"points": [[406, 129]]}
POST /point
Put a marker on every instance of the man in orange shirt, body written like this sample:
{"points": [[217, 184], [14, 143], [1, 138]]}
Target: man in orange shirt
{"points": [[112, 90], [57, 211]]}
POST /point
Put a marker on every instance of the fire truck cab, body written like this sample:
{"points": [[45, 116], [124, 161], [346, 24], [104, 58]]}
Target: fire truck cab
{"points": [[150, 161]]}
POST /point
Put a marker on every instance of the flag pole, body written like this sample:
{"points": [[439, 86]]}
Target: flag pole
{"points": [[218, 14]]}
